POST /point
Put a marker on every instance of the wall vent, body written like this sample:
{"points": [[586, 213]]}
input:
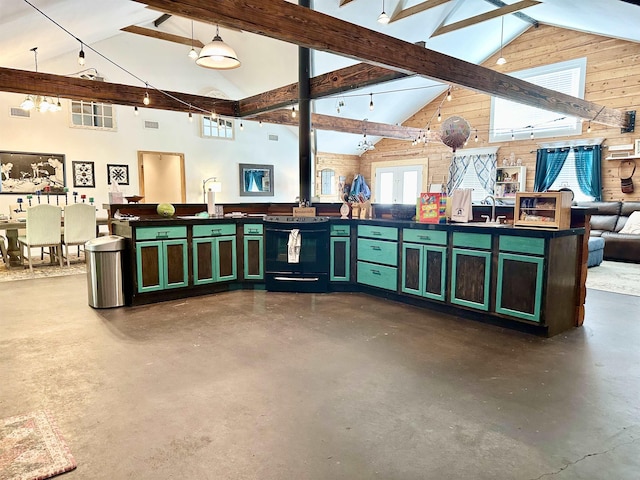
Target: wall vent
{"points": [[19, 112], [148, 124], [273, 138]]}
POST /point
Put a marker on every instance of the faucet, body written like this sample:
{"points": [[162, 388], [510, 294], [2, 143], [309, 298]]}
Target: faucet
{"points": [[493, 208]]}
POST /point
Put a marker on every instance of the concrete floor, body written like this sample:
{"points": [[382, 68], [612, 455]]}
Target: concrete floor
{"points": [[262, 385]]}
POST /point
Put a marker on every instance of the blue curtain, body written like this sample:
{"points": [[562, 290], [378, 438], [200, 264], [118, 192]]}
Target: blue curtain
{"points": [[548, 166], [588, 170]]}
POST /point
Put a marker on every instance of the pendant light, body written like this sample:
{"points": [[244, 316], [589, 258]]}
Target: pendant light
{"points": [[81, 60], [501, 60], [218, 55], [40, 103], [383, 18], [192, 53]]}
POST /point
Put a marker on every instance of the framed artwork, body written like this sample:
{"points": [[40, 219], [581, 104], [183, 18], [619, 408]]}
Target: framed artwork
{"points": [[118, 174], [256, 180], [83, 175], [25, 173]]}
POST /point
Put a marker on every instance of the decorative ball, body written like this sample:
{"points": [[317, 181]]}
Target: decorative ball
{"points": [[166, 210], [455, 132]]}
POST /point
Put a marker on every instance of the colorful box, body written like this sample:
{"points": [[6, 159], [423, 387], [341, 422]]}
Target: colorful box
{"points": [[432, 208]]}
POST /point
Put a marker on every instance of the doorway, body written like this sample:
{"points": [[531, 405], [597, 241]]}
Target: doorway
{"points": [[161, 177]]}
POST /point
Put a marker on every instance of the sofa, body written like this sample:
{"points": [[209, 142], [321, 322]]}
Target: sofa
{"points": [[606, 223]]}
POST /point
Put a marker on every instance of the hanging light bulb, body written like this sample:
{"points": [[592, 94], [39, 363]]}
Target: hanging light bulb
{"points": [[501, 60], [589, 127], [513, 135], [44, 105], [81, 55], [260, 123], [371, 102], [439, 115], [136, 112], [449, 95], [476, 139], [191, 117], [192, 53], [383, 18], [146, 100], [218, 55], [241, 125], [27, 103], [293, 112], [531, 136]]}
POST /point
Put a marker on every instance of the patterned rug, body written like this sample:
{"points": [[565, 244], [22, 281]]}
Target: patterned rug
{"points": [[616, 277], [42, 269], [32, 449]]}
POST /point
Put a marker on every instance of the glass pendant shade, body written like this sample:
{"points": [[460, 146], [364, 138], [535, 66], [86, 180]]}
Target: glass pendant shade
{"points": [[383, 18], [218, 55], [193, 54], [28, 103]]}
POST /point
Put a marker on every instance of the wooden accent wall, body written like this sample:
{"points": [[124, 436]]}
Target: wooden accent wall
{"points": [[342, 165], [613, 79]]}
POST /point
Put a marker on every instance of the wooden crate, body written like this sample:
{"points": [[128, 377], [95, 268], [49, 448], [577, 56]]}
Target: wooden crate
{"points": [[543, 209]]}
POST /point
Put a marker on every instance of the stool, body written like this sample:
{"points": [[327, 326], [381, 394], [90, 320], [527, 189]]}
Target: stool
{"points": [[596, 251]]}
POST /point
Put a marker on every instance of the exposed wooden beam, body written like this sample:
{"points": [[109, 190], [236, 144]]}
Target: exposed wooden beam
{"points": [[169, 37], [499, 12], [420, 7], [339, 124], [520, 15], [161, 19], [310, 29], [332, 83], [34, 83], [344, 2]]}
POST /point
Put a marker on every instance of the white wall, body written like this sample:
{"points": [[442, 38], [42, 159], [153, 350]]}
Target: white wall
{"points": [[204, 157]]}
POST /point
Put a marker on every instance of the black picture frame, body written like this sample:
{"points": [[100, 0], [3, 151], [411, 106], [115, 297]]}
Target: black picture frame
{"points": [[83, 174], [119, 173], [28, 173], [255, 180]]}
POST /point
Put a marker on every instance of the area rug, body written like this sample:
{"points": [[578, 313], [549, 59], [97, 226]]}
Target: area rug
{"points": [[32, 449], [616, 277], [42, 269]]}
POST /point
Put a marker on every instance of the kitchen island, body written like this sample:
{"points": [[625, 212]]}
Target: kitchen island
{"points": [[527, 278]]}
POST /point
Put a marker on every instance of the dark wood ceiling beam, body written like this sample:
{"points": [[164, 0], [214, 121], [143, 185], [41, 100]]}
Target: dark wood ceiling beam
{"points": [[499, 12], [161, 19], [310, 29], [169, 37], [35, 83], [401, 13], [332, 83], [339, 124]]}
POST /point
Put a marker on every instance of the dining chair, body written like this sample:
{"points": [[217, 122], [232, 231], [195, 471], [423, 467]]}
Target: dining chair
{"points": [[3, 251], [43, 230], [79, 226]]}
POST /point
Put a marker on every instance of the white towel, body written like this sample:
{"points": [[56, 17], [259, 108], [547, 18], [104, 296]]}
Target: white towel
{"points": [[293, 246], [461, 205]]}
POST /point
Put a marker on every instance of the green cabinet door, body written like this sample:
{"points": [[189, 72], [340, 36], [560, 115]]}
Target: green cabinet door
{"points": [[519, 285], [214, 259], [340, 259], [470, 278], [161, 264], [424, 269], [226, 258], [253, 257]]}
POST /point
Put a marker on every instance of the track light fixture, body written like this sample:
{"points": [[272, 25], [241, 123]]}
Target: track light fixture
{"points": [[81, 55], [383, 18]]}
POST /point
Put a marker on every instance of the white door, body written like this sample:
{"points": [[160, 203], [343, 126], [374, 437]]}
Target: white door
{"points": [[162, 177], [398, 184]]}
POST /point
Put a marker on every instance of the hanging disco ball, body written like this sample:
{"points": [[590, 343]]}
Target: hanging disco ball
{"points": [[455, 132]]}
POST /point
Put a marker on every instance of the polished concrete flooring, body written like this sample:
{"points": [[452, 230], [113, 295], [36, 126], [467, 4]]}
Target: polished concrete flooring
{"points": [[261, 385]]}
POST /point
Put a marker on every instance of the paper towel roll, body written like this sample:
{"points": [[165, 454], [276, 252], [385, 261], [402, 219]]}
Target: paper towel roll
{"points": [[211, 202]]}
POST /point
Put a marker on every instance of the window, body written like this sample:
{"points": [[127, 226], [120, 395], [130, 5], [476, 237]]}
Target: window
{"points": [[217, 127], [398, 184], [327, 182], [510, 120], [471, 180], [92, 115], [568, 178]]}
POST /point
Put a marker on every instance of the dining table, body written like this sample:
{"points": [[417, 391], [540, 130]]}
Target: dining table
{"points": [[11, 228]]}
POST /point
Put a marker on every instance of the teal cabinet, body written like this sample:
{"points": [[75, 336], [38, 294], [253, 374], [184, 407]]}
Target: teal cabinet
{"points": [[340, 253], [471, 270], [214, 253], [377, 252], [424, 270], [161, 264], [253, 252], [520, 277]]}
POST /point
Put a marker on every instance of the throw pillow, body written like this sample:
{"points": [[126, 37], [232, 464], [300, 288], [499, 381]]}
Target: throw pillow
{"points": [[633, 224]]}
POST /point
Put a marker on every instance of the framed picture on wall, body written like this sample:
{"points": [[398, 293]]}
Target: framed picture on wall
{"points": [[256, 180], [118, 174], [24, 173], [83, 175]]}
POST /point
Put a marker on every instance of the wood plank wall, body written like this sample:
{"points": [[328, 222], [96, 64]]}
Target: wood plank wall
{"points": [[613, 79], [342, 165]]}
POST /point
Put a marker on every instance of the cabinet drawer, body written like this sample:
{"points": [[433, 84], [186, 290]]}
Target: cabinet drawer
{"points": [[424, 236], [385, 233], [472, 240], [160, 233], [253, 229], [378, 251], [378, 276], [340, 230], [214, 230], [534, 246]]}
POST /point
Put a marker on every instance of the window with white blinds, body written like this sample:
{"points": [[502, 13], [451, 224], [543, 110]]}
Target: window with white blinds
{"points": [[568, 178], [516, 121]]}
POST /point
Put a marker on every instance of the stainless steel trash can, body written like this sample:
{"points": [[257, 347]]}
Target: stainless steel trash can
{"points": [[104, 271]]}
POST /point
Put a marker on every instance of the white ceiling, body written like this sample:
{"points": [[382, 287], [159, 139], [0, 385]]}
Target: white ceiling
{"points": [[267, 63]]}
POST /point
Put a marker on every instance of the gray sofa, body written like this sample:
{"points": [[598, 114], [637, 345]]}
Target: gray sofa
{"points": [[607, 223]]}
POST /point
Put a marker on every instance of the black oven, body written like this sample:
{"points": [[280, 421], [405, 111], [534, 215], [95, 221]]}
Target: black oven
{"points": [[296, 254]]}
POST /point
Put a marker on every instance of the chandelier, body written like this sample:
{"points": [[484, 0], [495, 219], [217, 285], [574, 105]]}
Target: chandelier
{"points": [[40, 102]]}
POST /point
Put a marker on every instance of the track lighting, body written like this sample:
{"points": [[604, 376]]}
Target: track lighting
{"points": [[81, 55], [383, 18], [371, 102]]}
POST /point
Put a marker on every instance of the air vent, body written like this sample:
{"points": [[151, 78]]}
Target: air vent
{"points": [[19, 112], [273, 138], [148, 124]]}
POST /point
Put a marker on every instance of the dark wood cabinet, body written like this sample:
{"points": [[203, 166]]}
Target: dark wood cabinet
{"points": [[424, 265], [471, 270]]}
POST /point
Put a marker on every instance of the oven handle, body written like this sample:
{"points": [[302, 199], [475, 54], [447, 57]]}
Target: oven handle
{"points": [[294, 279], [288, 231]]}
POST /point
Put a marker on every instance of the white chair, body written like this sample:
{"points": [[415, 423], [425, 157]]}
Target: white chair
{"points": [[3, 251], [43, 230], [79, 226]]}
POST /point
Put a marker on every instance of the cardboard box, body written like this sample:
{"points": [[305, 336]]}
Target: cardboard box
{"points": [[432, 208], [304, 211]]}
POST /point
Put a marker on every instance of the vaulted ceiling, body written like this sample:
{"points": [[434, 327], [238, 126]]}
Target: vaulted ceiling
{"points": [[469, 30]]}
